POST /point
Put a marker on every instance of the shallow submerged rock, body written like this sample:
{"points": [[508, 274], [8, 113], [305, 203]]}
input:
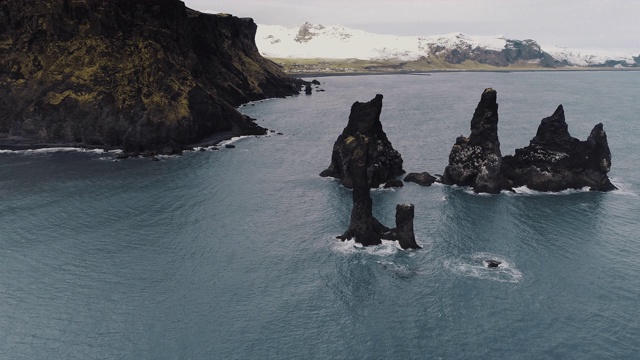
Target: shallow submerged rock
{"points": [[385, 163], [476, 161], [555, 161]]}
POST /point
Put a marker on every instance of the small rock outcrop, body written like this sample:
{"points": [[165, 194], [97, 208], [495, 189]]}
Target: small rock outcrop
{"points": [[308, 90], [476, 161], [363, 227], [555, 161], [385, 163], [423, 178], [404, 227], [492, 263]]}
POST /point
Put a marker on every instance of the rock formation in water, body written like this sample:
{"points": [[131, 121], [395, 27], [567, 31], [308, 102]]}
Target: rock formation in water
{"points": [[555, 161], [363, 227], [476, 161], [366, 229], [404, 227], [385, 163], [138, 74], [423, 178]]}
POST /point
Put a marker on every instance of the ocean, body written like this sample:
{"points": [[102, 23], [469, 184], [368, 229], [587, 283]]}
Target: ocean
{"points": [[231, 254]]}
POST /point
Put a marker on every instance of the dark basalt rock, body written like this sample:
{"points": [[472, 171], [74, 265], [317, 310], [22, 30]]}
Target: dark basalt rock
{"points": [[385, 163], [137, 74], [404, 226], [492, 263], [424, 178], [365, 228], [308, 90], [555, 161], [476, 161], [230, 146], [393, 183]]}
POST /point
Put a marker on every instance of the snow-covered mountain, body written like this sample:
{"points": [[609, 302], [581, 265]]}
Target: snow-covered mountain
{"points": [[313, 41]]}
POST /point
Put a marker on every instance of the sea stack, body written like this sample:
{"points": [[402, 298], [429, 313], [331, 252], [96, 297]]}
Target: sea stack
{"points": [[363, 227], [385, 163], [555, 161], [366, 229], [476, 161], [404, 227]]}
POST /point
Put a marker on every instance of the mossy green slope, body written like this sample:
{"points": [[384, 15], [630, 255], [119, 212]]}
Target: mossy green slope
{"points": [[136, 74]]}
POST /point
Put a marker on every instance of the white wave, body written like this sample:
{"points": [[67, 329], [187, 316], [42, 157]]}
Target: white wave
{"points": [[623, 188], [59, 150], [382, 188], [475, 266], [348, 247], [232, 140], [253, 103], [523, 190]]}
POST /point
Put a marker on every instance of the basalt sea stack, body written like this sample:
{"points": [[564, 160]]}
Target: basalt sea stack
{"points": [[555, 161], [385, 163], [138, 74], [363, 227], [476, 161], [359, 157]]}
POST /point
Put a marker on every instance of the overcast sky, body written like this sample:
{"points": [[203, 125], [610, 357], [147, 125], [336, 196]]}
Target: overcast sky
{"points": [[569, 23]]}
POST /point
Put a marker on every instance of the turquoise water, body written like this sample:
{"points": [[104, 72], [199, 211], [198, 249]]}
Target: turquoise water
{"points": [[231, 254]]}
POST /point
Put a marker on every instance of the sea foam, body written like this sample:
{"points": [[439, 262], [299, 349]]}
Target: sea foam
{"points": [[474, 266]]}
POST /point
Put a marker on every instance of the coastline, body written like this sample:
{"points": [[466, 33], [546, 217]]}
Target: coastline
{"points": [[24, 145], [429, 72]]}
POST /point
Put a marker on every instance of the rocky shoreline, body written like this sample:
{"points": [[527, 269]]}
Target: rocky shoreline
{"points": [[138, 75]]}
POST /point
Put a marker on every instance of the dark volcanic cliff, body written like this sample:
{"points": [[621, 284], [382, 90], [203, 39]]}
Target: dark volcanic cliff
{"points": [[137, 74]]}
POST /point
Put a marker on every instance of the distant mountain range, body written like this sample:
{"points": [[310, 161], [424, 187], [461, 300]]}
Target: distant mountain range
{"points": [[314, 41]]}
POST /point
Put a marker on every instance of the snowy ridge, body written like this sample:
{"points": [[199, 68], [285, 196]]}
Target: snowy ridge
{"points": [[338, 42], [592, 57], [314, 41]]}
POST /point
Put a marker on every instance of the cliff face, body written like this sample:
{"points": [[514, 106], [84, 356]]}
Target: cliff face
{"points": [[137, 74]]}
